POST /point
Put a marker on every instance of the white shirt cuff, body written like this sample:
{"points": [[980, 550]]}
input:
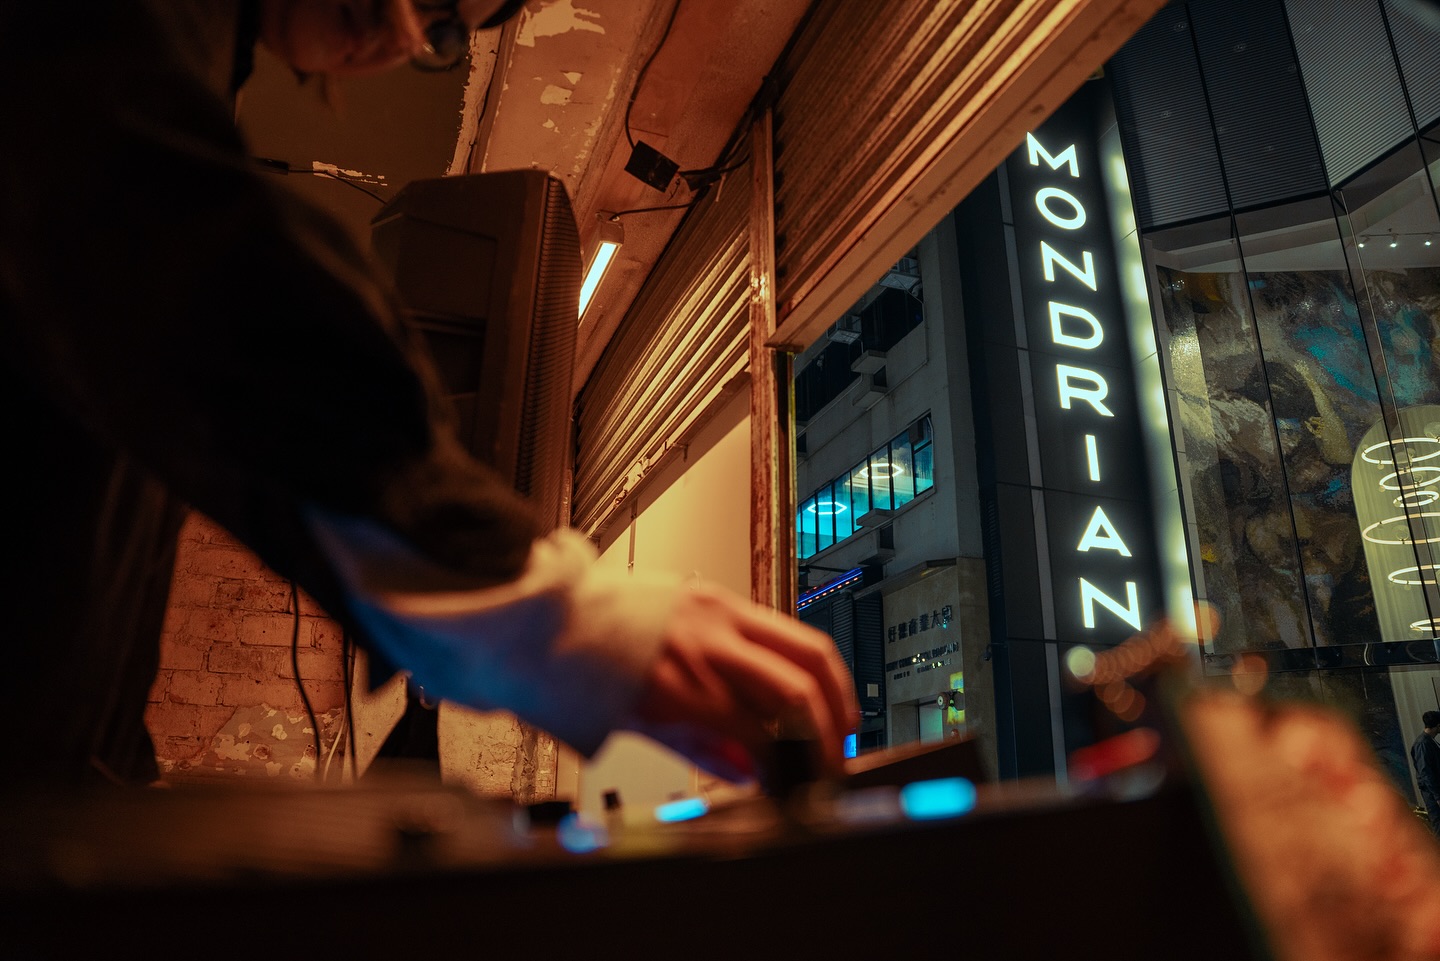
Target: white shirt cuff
{"points": [[566, 645]]}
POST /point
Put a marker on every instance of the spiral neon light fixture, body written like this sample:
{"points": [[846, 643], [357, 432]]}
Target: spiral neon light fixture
{"points": [[1395, 483]]}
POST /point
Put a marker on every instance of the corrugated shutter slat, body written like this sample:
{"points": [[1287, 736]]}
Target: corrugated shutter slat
{"points": [[838, 145], [681, 345]]}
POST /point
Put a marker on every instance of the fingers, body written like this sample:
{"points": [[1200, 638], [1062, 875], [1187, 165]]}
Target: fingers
{"points": [[812, 650], [769, 686], [689, 707], [735, 669]]}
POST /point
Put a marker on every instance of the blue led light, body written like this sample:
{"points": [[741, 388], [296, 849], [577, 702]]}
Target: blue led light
{"points": [[845, 580], [686, 809], [849, 745], [944, 798], [580, 837]]}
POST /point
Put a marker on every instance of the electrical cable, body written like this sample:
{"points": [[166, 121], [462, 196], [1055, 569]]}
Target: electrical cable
{"points": [[347, 182], [699, 187], [348, 647], [347, 726], [284, 167], [295, 666], [645, 210], [324, 776], [640, 78], [705, 176]]}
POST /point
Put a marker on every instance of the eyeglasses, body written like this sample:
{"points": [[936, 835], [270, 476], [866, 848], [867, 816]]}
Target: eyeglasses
{"points": [[447, 36]]}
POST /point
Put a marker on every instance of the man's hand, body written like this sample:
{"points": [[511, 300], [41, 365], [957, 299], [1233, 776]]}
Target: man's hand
{"points": [[729, 671]]}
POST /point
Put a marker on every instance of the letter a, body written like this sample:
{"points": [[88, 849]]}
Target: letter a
{"points": [[1102, 534]]}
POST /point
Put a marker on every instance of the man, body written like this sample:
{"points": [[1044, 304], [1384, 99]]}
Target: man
{"points": [[1425, 755], [178, 328]]}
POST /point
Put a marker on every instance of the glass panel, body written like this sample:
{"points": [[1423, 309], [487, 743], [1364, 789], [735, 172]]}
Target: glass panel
{"points": [[878, 470], [1389, 212], [805, 529], [1320, 384], [924, 459], [921, 432], [824, 508], [1232, 476], [844, 510], [902, 472], [860, 492]]}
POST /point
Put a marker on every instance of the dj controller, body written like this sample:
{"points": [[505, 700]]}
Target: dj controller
{"points": [[912, 857]]}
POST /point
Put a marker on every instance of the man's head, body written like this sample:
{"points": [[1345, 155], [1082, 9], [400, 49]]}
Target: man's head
{"points": [[352, 37], [1431, 720]]}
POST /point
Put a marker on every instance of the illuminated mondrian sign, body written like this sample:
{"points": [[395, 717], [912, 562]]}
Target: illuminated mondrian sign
{"points": [[1101, 559]]}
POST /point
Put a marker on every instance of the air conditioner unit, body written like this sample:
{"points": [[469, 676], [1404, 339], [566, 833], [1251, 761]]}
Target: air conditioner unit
{"points": [[846, 330], [905, 275]]}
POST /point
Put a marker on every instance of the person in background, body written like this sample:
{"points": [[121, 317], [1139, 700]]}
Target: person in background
{"points": [[1425, 755], [180, 333]]}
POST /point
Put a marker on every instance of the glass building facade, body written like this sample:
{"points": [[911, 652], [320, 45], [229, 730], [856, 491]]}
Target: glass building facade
{"points": [[1283, 158]]}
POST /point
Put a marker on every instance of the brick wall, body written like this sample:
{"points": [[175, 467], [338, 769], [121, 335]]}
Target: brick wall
{"points": [[225, 699], [225, 703]]}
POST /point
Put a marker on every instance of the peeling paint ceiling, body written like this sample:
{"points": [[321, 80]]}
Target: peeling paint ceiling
{"points": [[550, 91], [556, 96]]}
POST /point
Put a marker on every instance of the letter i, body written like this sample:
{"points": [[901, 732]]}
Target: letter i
{"points": [[1092, 456]]}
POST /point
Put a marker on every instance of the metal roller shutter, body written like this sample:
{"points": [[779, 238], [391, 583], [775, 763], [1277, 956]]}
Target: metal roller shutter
{"points": [[682, 346], [839, 144], [890, 111], [870, 652]]}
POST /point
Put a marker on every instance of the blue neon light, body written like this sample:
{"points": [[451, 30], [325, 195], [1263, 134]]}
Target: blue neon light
{"points": [[943, 798], [686, 809], [849, 577]]}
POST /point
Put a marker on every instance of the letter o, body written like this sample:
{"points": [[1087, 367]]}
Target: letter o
{"points": [[1042, 201]]}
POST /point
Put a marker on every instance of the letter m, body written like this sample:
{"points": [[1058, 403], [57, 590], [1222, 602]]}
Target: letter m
{"points": [[1038, 153]]}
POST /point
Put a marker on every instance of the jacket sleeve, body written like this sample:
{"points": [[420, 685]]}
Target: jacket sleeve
{"points": [[176, 305], [1430, 761]]}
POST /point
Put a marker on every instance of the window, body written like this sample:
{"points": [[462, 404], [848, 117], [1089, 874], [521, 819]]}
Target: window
{"points": [[888, 479], [878, 473], [823, 504], [923, 454], [805, 529], [860, 491], [844, 509], [902, 474]]}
